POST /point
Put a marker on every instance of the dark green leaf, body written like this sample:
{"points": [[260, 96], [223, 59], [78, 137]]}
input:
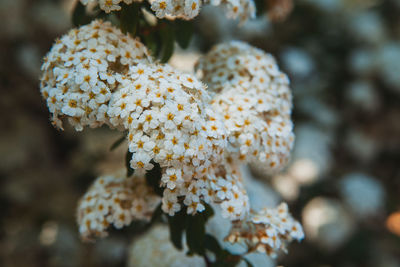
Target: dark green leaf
{"points": [[195, 234], [208, 212], [147, 6], [79, 16], [156, 214], [249, 264], [176, 225], [167, 42], [129, 18], [183, 32], [150, 40], [219, 263], [260, 7], [153, 178], [112, 17], [211, 244], [117, 143], [227, 259], [128, 158]]}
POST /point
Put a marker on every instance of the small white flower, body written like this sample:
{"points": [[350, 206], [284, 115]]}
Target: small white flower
{"points": [[109, 5], [171, 178]]}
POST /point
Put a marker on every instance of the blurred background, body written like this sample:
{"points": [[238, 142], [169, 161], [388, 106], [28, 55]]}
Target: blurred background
{"points": [[343, 182]]}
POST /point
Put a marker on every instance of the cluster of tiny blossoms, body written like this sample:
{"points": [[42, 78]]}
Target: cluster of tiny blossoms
{"points": [[268, 231], [222, 185], [109, 5], [188, 9], [169, 122], [83, 69], [95, 75], [184, 9], [115, 200], [165, 112], [254, 98]]}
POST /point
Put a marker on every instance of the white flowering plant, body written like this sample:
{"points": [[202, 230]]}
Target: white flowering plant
{"points": [[187, 135]]}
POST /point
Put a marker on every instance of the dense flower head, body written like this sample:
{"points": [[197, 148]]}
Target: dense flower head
{"points": [[184, 9], [109, 5], [83, 69], [267, 231], [222, 185], [197, 138], [229, 191], [241, 9], [188, 9], [254, 98], [115, 200], [168, 121]]}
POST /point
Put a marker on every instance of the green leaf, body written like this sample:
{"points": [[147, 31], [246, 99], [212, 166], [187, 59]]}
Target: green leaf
{"points": [[211, 244], [226, 259], [249, 264], [117, 143], [153, 178], [128, 158], [183, 32], [79, 16], [130, 15], [111, 17], [156, 214], [260, 7], [167, 42], [208, 212], [150, 40], [176, 225], [195, 234]]}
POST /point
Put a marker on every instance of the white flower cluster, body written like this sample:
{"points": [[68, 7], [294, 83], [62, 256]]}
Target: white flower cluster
{"points": [[268, 231], [170, 123], [222, 185], [95, 75], [109, 5], [83, 69], [188, 9], [165, 112], [254, 98], [115, 200], [241, 9], [230, 192], [184, 9]]}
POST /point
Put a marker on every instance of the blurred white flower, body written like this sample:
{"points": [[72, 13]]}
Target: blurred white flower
{"points": [[327, 222], [327, 5], [360, 145], [363, 95], [368, 26], [155, 249], [362, 61], [313, 145], [298, 62], [364, 194], [389, 64]]}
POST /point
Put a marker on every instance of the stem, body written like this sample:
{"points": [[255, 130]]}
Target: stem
{"points": [[207, 260]]}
